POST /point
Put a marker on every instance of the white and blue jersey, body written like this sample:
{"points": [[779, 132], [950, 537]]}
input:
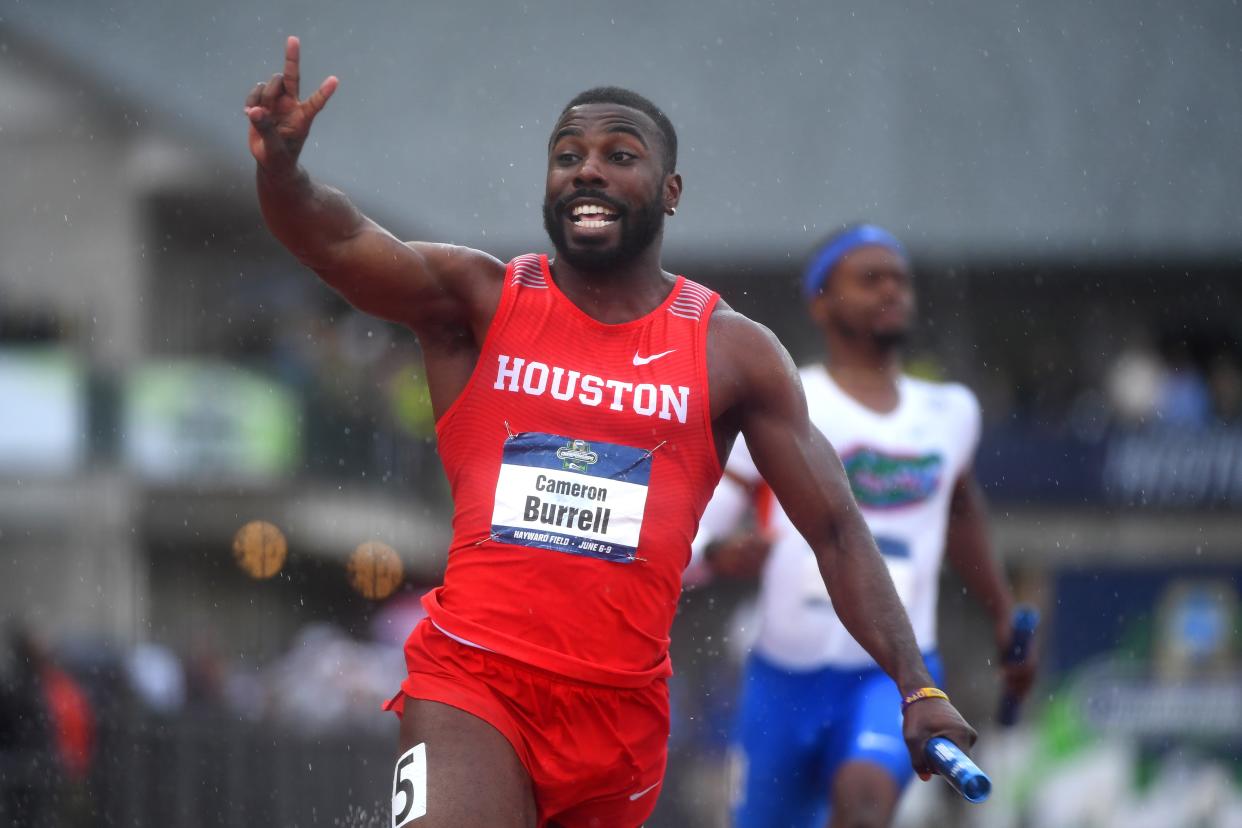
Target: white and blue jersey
{"points": [[902, 467]]}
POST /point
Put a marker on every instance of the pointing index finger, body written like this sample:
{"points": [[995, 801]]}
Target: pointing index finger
{"points": [[293, 50]]}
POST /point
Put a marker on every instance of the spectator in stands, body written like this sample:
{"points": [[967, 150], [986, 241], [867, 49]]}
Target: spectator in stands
{"points": [[47, 734], [1134, 382], [1225, 381], [1184, 400]]}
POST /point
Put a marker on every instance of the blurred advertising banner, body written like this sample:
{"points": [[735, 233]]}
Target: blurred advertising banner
{"points": [[1138, 723], [1178, 620], [199, 420], [1183, 680], [1175, 467], [42, 411], [1156, 467]]}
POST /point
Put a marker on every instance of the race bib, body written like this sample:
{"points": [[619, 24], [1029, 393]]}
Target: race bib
{"points": [[571, 496]]}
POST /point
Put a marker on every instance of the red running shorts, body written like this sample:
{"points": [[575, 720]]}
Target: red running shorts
{"points": [[595, 754]]}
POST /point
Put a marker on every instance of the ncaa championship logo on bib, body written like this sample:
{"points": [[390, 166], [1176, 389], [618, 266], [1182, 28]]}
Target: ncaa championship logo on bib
{"points": [[569, 495]]}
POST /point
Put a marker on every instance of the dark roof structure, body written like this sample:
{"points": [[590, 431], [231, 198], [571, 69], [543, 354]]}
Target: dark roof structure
{"points": [[1033, 129]]}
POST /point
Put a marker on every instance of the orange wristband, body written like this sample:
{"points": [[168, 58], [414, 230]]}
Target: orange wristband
{"points": [[923, 693]]}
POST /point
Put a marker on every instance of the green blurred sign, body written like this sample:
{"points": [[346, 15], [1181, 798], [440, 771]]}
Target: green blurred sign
{"points": [[201, 420]]}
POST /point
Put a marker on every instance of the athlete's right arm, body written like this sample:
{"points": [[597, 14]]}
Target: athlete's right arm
{"points": [[418, 284]]}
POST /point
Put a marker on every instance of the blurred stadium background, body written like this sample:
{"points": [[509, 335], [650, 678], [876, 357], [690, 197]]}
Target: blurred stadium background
{"points": [[1066, 174]]}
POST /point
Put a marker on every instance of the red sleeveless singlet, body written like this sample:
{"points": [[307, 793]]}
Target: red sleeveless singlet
{"points": [[580, 457]]}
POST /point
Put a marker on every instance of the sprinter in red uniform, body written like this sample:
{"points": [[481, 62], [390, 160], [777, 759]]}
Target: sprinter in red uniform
{"points": [[583, 407]]}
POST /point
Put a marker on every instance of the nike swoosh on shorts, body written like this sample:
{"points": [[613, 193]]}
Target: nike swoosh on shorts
{"points": [[643, 792]]}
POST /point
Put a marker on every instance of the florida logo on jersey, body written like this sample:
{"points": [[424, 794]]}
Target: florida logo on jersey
{"points": [[890, 481]]}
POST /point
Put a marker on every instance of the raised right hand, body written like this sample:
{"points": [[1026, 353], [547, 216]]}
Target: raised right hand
{"points": [[279, 122]]}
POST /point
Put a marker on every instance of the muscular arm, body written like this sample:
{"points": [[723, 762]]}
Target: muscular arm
{"points": [[441, 291], [969, 552], [417, 284], [729, 550]]}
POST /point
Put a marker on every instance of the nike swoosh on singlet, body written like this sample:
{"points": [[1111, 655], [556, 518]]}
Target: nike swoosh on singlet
{"points": [[643, 360], [643, 792]]}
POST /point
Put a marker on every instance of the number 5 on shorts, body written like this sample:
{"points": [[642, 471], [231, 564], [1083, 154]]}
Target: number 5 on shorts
{"points": [[409, 786]]}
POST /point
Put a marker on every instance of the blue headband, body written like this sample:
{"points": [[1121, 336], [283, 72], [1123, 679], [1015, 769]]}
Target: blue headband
{"points": [[864, 235]]}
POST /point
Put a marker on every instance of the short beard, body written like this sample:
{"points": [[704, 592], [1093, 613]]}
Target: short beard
{"points": [[883, 341], [890, 340], [639, 228]]}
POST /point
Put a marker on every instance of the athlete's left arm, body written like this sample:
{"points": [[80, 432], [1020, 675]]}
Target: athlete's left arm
{"points": [[729, 550], [970, 553], [761, 394]]}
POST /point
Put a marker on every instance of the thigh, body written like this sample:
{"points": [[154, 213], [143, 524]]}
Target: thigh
{"points": [[776, 775], [868, 761], [872, 730], [864, 795], [625, 810], [607, 750], [465, 772]]}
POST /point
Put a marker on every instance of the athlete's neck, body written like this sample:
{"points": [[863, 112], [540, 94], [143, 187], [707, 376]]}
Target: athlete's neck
{"points": [[619, 294], [865, 370]]}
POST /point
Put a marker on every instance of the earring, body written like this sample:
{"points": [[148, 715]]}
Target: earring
{"points": [[672, 211]]}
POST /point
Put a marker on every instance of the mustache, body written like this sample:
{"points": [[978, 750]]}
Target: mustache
{"points": [[595, 195]]}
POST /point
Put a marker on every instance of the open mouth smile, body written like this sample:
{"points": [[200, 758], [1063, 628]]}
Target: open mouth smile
{"points": [[592, 215]]}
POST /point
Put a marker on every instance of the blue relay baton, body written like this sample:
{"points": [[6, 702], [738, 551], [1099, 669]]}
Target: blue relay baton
{"points": [[1025, 622], [963, 775]]}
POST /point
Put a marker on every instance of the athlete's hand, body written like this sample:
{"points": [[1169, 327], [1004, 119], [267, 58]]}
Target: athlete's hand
{"points": [[740, 556], [279, 122], [1016, 679], [928, 718]]}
